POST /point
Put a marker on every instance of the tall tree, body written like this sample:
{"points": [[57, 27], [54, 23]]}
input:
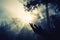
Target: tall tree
{"points": [[45, 2]]}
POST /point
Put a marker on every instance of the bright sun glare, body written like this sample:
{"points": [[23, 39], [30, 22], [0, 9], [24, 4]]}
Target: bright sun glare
{"points": [[17, 10], [27, 18]]}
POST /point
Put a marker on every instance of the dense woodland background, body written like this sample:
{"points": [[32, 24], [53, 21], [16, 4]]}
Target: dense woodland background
{"points": [[51, 21]]}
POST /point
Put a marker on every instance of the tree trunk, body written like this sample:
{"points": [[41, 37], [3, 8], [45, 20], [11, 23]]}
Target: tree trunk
{"points": [[47, 15]]}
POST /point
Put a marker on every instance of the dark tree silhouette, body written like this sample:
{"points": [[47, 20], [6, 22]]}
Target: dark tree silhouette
{"points": [[51, 35], [45, 2]]}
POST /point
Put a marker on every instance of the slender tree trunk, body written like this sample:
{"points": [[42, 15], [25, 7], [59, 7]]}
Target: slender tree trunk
{"points": [[47, 15]]}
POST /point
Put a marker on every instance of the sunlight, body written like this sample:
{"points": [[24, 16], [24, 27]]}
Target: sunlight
{"points": [[27, 18], [17, 10]]}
